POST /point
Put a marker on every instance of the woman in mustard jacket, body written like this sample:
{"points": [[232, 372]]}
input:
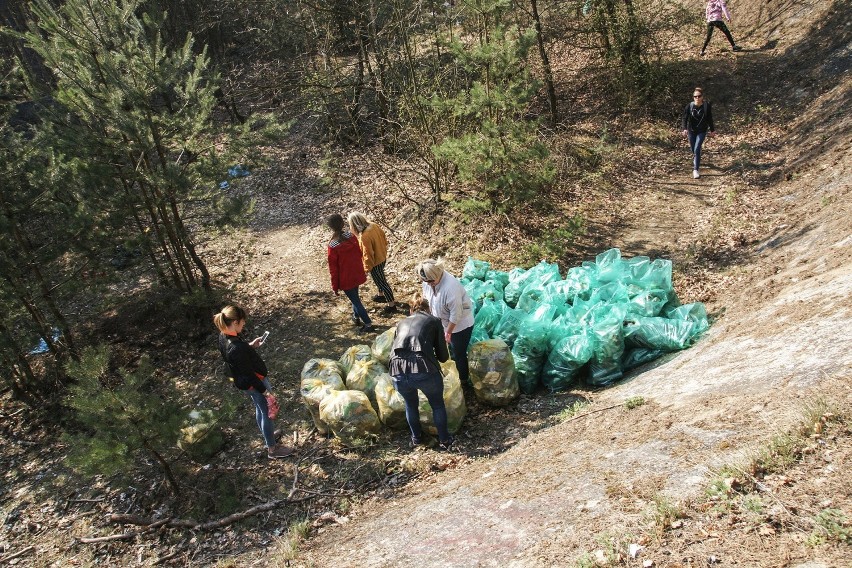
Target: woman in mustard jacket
{"points": [[374, 249]]}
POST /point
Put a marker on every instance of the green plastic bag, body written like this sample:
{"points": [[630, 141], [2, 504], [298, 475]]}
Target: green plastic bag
{"points": [[659, 333], [531, 298], [541, 274], [580, 280], [453, 400], [383, 345], [490, 315], [565, 360], [478, 334], [475, 269], [498, 277], [610, 266], [489, 291], [605, 365], [354, 353], [492, 372], [696, 313], [612, 293], [349, 415], [531, 346], [390, 403], [637, 356], [509, 325], [648, 303]]}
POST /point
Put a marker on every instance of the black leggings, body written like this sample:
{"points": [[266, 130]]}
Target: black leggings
{"points": [[721, 25]]}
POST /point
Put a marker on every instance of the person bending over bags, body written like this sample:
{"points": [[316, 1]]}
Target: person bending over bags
{"points": [[418, 345], [248, 372]]}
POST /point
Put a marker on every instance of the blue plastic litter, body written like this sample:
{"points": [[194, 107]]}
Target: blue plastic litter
{"points": [[42, 344], [224, 185], [238, 171]]}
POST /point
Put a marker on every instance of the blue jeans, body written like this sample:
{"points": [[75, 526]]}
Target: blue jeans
{"points": [[459, 342], [696, 139], [261, 414], [358, 309], [432, 386]]}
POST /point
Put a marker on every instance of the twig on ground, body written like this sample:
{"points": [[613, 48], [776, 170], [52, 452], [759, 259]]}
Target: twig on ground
{"points": [[592, 412], [18, 554]]}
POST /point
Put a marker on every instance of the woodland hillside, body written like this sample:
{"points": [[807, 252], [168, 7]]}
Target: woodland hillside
{"points": [[162, 159]]}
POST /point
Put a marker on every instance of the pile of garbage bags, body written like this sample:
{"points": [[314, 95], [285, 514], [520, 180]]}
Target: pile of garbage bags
{"points": [[602, 319], [352, 397], [531, 327]]}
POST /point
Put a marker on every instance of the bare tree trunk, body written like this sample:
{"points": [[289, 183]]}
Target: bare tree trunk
{"points": [[545, 63]]}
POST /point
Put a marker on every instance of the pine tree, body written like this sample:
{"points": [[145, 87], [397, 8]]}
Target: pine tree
{"points": [[132, 130], [122, 418], [497, 148]]}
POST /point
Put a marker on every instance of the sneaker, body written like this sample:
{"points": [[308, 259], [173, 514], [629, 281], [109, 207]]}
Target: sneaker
{"points": [[695, 174], [737, 48], [445, 446], [356, 320], [701, 54], [379, 298], [367, 328], [389, 309], [414, 442], [278, 451]]}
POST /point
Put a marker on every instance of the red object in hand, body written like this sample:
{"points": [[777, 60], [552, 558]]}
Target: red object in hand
{"points": [[272, 406]]}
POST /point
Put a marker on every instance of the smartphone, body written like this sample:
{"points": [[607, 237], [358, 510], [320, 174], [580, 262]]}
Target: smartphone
{"points": [[263, 337]]}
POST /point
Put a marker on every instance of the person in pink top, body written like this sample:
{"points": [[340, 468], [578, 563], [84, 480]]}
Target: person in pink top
{"points": [[716, 10]]}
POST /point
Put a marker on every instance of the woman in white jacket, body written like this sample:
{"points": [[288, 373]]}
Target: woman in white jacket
{"points": [[716, 9]]}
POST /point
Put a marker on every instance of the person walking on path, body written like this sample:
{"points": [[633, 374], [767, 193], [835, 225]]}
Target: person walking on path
{"points": [[697, 123], [374, 248], [248, 372], [715, 10], [347, 269], [449, 302], [418, 345]]}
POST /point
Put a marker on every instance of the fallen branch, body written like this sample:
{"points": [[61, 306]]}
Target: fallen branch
{"points": [[18, 554], [125, 536], [197, 526], [592, 412]]}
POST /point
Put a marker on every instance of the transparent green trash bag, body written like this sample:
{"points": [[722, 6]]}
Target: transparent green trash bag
{"points": [[659, 333], [489, 315], [580, 280], [696, 313], [478, 334], [565, 360], [509, 325], [498, 277], [541, 274], [610, 266], [531, 346], [648, 303], [492, 372], [475, 269], [605, 365], [349, 415], [636, 356]]}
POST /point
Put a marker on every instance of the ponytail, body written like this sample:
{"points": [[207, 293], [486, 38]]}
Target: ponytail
{"points": [[227, 316]]}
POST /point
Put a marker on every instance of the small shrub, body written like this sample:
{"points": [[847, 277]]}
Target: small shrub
{"points": [[634, 402]]}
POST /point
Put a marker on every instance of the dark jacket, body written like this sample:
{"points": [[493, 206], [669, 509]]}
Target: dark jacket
{"points": [[345, 263], [418, 345], [246, 367], [698, 118]]}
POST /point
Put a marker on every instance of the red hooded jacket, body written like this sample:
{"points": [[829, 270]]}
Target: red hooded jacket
{"points": [[345, 263]]}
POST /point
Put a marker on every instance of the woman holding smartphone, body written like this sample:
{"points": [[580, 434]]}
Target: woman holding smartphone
{"points": [[248, 372]]}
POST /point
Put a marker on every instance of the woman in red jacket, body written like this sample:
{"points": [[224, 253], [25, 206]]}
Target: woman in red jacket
{"points": [[347, 269]]}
